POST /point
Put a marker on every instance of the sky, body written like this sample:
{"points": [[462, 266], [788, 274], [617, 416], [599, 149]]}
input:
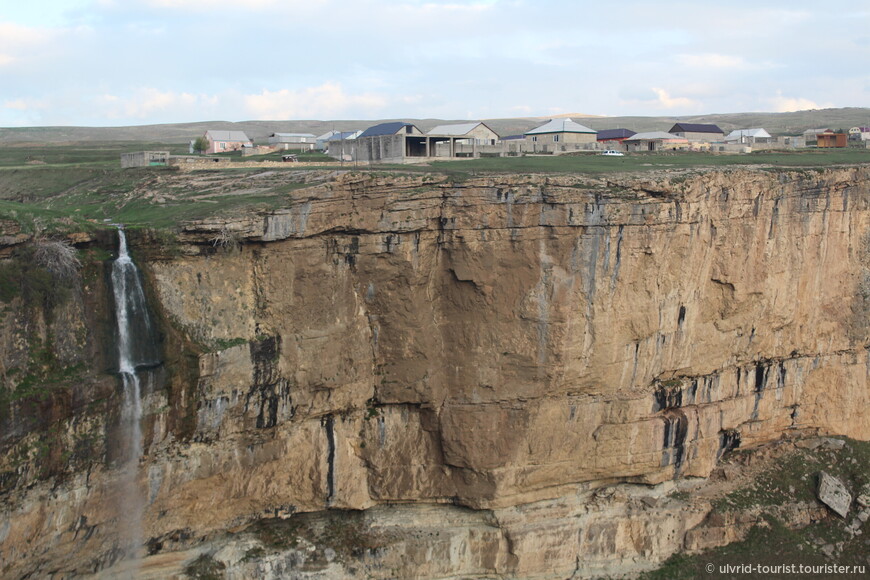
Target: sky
{"points": [[137, 62]]}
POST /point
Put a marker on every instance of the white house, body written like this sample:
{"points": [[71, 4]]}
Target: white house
{"points": [[302, 141], [748, 136]]}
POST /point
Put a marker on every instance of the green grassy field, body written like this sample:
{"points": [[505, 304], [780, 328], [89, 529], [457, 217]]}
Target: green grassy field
{"points": [[59, 188], [646, 162], [94, 154]]}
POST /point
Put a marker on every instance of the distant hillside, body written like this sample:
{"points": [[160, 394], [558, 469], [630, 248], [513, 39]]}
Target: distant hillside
{"points": [[775, 123]]}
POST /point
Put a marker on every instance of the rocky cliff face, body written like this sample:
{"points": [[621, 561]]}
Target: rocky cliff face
{"points": [[507, 374]]}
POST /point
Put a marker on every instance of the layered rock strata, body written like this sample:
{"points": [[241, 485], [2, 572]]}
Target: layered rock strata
{"points": [[483, 357]]}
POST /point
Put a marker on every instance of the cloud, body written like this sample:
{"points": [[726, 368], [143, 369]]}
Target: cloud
{"points": [[239, 5], [147, 102], [18, 42], [665, 100], [12, 34], [326, 100], [711, 60], [783, 104], [25, 104]]}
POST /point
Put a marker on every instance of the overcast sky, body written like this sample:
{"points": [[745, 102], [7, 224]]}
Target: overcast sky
{"points": [[133, 62]]}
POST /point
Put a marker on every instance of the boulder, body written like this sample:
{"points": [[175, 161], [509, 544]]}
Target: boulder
{"points": [[834, 494]]}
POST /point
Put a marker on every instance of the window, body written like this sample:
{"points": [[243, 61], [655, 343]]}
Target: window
{"points": [[535, 138], [223, 146], [555, 138]]}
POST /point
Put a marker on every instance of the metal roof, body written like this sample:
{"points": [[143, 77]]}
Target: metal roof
{"points": [[758, 133], [344, 136], [454, 130], [227, 135], [560, 126], [385, 129], [613, 134], [654, 135], [695, 128]]}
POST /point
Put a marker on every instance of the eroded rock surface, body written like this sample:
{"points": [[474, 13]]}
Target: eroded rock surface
{"points": [[485, 356]]}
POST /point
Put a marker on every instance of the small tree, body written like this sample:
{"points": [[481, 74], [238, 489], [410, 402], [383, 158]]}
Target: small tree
{"points": [[200, 145]]}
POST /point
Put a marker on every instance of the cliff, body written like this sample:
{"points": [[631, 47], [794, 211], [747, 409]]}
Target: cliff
{"points": [[500, 376]]}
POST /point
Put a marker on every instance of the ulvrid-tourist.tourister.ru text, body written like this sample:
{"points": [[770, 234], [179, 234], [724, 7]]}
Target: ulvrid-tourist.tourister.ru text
{"points": [[815, 569]]}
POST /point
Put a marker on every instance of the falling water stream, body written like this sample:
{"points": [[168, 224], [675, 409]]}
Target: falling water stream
{"points": [[137, 349]]}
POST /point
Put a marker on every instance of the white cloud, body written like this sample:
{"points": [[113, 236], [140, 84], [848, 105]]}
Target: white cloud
{"points": [[326, 100], [18, 42], [240, 5], [25, 104], [711, 60], [12, 34], [665, 100], [783, 104], [722, 62], [147, 102]]}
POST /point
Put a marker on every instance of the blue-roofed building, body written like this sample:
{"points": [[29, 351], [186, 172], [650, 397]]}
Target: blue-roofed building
{"points": [[343, 136], [615, 135], [320, 141], [698, 132], [391, 128], [394, 142]]}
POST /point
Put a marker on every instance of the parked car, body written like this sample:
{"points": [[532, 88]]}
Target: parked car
{"points": [[613, 153]]}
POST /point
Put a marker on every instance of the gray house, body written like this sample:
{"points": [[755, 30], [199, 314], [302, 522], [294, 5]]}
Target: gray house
{"points": [[394, 142]]}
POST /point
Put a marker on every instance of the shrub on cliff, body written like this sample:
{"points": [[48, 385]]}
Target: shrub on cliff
{"points": [[41, 272]]}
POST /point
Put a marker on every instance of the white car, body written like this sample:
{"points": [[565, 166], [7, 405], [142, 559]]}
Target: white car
{"points": [[613, 153]]}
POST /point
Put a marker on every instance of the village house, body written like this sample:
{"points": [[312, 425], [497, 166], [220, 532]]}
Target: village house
{"points": [[810, 135], [748, 136], [615, 135], [223, 141], [321, 140], [655, 141], [295, 141], [698, 132], [556, 134], [342, 145], [859, 134], [145, 159], [829, 139], [395, 142], [459, 139]]}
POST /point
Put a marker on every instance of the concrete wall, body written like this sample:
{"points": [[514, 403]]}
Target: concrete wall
{"points": [[654, 145], [711, 137], [257, 150], [383, 149], [343, 150], [144, 159], [209, 163], [483, 135], [195, 160], [562, 138], [215, 146]]}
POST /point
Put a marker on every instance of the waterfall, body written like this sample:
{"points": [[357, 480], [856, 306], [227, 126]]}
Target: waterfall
{"points": [[137, 349]]}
